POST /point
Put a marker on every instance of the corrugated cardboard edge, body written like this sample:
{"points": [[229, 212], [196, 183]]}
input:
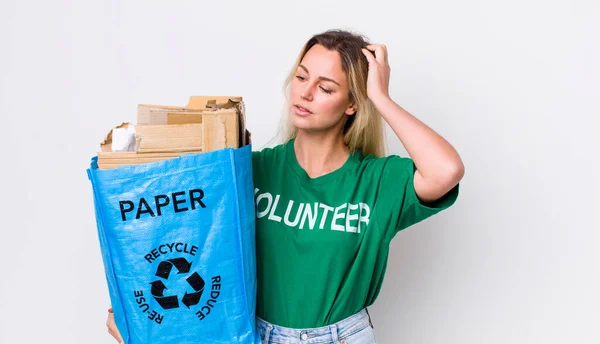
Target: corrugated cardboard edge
{"points": [[245, 136], [224, 102], [206, 102]]}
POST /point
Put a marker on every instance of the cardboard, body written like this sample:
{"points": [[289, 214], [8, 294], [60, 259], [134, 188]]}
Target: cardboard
{"points": [[169, 138], [206, 102], [130, 155], [107, 160], [155, 114], [205, 124], [184, 117], [197, 107]]}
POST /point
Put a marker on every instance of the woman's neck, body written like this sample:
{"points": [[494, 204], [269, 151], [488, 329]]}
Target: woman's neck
{"points": [[320, 153]]}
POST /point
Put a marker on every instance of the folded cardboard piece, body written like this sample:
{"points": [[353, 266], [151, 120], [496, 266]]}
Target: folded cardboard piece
{"points": [[205, 124]]}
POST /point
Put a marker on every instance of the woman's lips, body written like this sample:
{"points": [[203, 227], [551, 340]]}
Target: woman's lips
{"points": [[302, 110]]}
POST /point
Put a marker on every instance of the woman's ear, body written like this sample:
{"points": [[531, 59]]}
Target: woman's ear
{"points": [[350, 110]]}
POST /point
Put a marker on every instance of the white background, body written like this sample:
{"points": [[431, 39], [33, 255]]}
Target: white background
{"points": [[513, 85]]}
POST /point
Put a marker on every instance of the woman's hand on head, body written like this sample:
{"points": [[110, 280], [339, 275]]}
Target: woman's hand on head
{"points": [[378, 80], [112, 326]]}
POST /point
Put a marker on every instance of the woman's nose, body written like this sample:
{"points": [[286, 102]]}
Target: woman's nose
{"points": [[307, 93]]}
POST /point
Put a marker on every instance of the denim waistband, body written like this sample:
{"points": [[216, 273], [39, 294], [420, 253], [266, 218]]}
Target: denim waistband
{"points": [[326, 334]]}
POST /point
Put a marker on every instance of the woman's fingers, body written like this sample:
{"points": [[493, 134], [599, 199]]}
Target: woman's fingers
{"points": [[380, 51], [112, 326], [369, 56]]}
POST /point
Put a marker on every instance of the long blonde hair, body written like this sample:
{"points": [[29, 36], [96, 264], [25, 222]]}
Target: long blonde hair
{"points": [[363, 131]]}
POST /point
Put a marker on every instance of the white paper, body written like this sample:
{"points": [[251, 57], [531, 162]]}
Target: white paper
{"points": [[123, 139]]}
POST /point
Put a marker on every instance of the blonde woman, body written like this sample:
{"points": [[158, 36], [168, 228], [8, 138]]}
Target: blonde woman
{"points": [[328, 200]]}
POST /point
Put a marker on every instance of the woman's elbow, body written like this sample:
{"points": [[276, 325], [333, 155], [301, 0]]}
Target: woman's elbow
{"points": [[453, 174]]}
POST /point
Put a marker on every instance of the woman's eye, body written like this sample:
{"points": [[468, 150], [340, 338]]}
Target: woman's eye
{"points": [[326, 90], [300, 77]]}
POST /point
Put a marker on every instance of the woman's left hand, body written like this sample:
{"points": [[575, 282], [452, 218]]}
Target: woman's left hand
{"points": [[378, 80]]}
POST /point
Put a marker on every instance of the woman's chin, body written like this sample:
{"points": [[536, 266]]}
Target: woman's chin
{"points": [[300, 122]]}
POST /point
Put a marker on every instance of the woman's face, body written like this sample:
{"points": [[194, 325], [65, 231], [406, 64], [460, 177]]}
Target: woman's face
{"points": [[319, 95]]}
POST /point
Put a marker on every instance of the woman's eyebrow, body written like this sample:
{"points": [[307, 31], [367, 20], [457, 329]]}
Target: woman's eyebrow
{"points": [[321, 77]]}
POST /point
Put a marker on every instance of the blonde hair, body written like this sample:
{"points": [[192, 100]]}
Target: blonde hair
{"points": [[363, 131]]}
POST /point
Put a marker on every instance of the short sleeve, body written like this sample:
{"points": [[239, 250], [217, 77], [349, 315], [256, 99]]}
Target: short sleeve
{"points": [[256, 155], [257, 164], [398, 204]]}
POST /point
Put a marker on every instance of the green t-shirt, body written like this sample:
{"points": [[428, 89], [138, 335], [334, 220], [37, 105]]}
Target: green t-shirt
{"points": [[322, 243]]}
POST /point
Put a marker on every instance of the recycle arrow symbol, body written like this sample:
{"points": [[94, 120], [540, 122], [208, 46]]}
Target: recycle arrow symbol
{"points": [[196, 282], [164, 268], [166, 302], [157, 288]]}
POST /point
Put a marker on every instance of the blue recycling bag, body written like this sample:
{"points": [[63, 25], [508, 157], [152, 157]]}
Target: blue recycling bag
{"points": [[178, 246]]}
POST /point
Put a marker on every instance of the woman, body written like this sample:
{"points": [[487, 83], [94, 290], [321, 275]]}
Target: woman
{"points": [[328, 203]]}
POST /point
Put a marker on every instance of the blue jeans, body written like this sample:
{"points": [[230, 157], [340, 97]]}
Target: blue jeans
{"points": [[356, 329]]}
